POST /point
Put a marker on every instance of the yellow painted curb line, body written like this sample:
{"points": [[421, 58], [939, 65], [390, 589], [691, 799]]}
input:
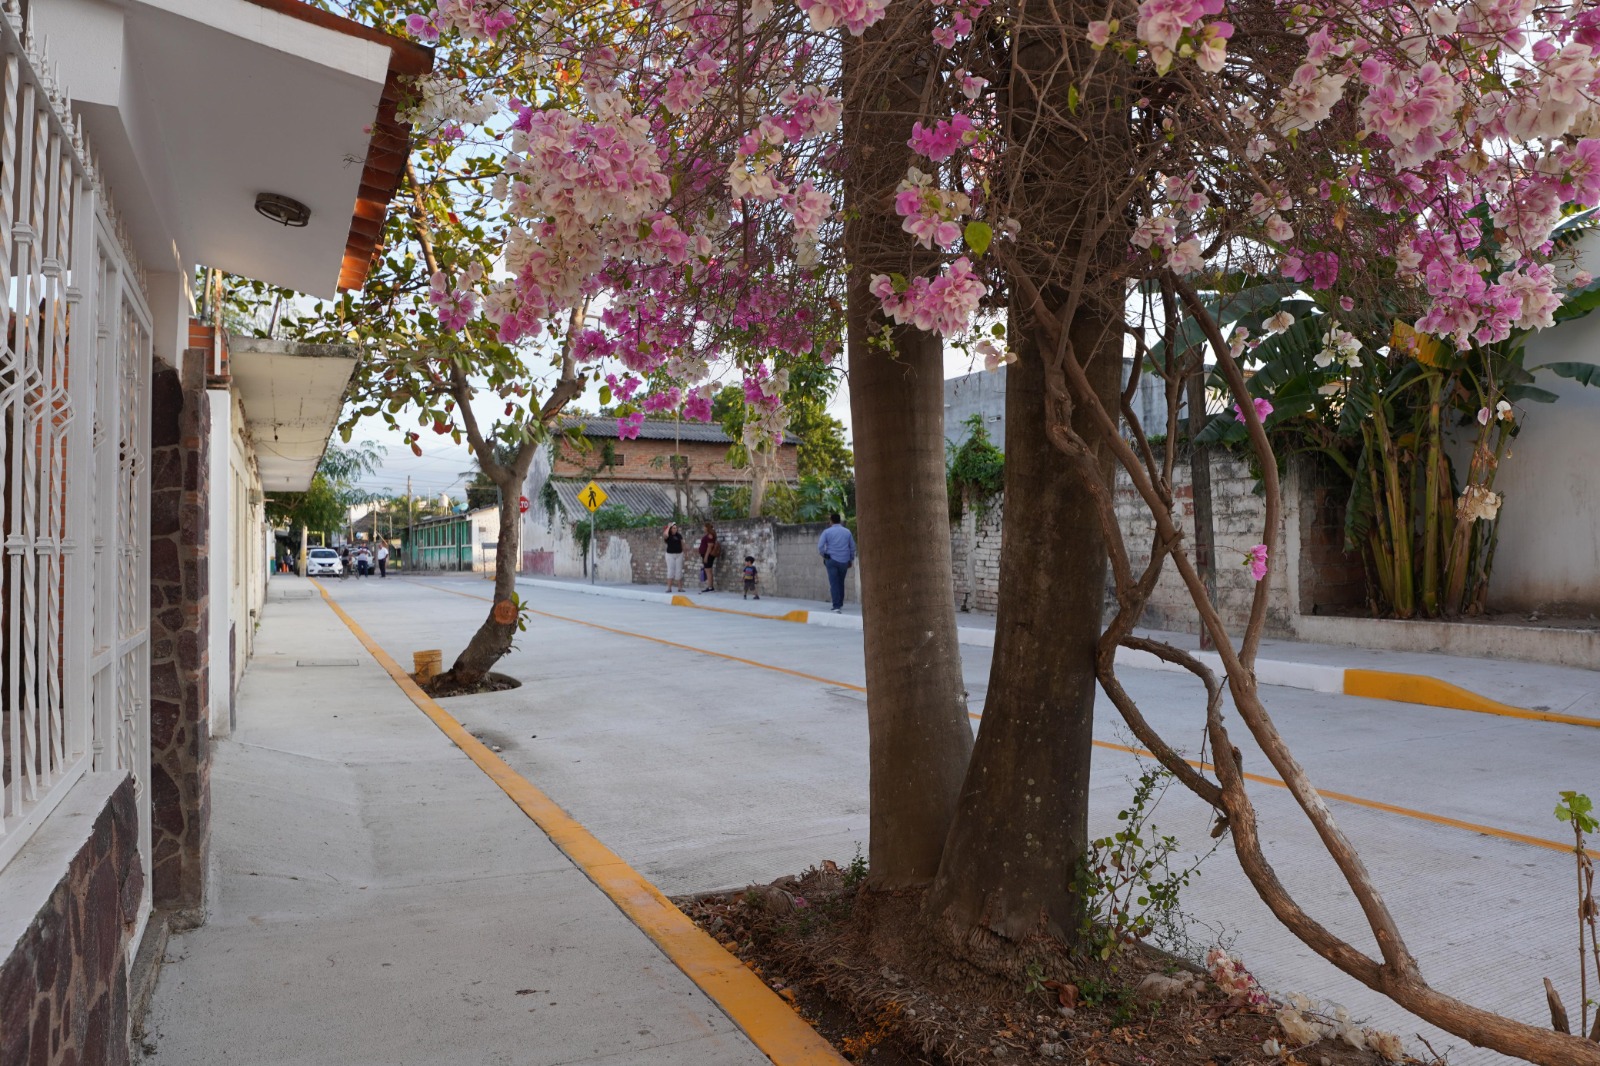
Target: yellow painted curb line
{"points": [[792, 616], [1377, 805], [770, 1023], [1431, 692]]}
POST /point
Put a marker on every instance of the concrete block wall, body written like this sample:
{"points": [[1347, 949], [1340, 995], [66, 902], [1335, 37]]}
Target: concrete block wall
{"points": [[975, 548], [801, 574], [647, 560], [1237, 515]]}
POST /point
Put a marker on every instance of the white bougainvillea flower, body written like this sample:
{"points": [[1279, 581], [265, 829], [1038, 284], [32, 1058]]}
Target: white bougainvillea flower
{"points": [[1279, 322]]}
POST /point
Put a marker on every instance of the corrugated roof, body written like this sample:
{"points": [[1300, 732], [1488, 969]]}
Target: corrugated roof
{"points": [[636, 497], [659, 429]]}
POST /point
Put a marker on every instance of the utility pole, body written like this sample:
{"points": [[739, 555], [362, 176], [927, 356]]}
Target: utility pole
{"points": [[411, 537]]}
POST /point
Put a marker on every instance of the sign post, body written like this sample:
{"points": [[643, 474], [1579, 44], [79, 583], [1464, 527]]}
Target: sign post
{"points": [[593, 497]]}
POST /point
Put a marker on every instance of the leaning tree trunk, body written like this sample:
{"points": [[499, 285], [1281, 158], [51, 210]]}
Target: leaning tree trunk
{"points": [[1022, 826], [492, 641], [919, 734]]}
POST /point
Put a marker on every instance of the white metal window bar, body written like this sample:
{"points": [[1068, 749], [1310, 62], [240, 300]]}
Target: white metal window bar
{"points": [[74, 488]]}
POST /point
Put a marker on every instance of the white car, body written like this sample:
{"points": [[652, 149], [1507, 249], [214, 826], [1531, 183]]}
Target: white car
{"points": [[323, 561]]}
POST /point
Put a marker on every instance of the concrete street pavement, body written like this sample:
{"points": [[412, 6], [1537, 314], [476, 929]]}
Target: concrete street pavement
{"points": [[375, 899], [747, 759], [711, 750]]}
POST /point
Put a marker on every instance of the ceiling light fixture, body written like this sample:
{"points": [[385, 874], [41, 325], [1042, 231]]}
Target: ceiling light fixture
{"points": [[283, 209]]}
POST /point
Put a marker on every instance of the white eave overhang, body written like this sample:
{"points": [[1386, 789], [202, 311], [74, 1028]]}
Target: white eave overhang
{"points": [[197, 106], [292, 395]]}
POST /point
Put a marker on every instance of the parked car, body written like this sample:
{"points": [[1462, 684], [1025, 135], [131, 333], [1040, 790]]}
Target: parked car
{"points": [[323, 561]]}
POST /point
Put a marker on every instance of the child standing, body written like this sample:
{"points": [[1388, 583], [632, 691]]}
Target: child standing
{"points": [[751, 576]]}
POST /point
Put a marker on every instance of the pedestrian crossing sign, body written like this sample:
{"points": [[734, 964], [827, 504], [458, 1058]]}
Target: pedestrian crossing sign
{"points": [[592, 497]]}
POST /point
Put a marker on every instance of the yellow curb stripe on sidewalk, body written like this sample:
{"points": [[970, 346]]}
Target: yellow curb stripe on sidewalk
{"points": [[1377, 805], [792, 616], [1431, 692], [770, 1023]]}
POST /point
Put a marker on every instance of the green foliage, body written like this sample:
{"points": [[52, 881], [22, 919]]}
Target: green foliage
{"points": [[821, 451], [1577, 809], [325, 505], [730, 502], [856, 872], [975, 469], [1130, 881], [1386, 422], [812, 500], [613, 516]]}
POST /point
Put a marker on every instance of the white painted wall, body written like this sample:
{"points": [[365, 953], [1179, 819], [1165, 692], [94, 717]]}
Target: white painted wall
{"points": [[1549, 550], [221, 482]]}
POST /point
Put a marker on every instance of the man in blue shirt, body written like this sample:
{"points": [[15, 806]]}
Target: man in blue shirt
{"points": [[838, 550]]}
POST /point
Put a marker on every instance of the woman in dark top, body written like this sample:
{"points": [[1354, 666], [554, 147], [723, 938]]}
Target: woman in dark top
{"points": [[673, 538], [709, 551]]}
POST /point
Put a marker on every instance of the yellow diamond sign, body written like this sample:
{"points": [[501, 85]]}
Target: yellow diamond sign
{"points": [[592, 497]]}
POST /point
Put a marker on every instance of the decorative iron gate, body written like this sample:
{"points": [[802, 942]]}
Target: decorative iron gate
{"points": [[74, 440]]}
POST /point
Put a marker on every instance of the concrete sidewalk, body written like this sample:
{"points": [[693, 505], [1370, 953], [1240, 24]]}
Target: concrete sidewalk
{"points": [[1438, 680], [375, 898]]}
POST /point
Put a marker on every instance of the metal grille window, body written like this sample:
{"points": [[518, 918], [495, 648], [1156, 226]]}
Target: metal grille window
{"points": [[74, 438]]}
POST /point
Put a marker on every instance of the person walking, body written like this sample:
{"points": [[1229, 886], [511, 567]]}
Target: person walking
{"points": [[709, 551], [383, 558], [838, 550], [672, 537]]}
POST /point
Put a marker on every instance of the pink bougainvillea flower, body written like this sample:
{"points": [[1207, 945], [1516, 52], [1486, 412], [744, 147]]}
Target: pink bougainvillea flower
{"points": [[1260, 403], [628, 426], [1256, 560]]}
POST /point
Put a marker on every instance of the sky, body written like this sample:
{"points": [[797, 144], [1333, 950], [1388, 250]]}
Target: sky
{"points": [[447, 467]]}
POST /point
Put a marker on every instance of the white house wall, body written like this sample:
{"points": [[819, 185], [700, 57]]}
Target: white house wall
{"points": [[220, 545], [1549, 551]]}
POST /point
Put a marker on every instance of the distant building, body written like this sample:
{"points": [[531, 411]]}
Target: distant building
{"points": [[464, 541], [671, 468], [984, 394]]}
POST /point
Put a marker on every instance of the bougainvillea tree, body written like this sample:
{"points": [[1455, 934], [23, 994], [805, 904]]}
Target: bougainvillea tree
{"points": [[603, 195], [1108, 173], [1133, 163]]}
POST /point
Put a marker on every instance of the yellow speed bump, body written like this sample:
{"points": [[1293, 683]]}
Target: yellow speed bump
{"points": [[770, 1023], [791, 616], [1431, 692]]}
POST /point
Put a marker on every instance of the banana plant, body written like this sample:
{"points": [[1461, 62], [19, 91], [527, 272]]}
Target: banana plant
{"points": [[1381, 403]]}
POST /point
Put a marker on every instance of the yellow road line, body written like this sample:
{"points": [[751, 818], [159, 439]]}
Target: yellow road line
{"points": [[770, 1023], [1431, 692], [1377, 805], [791, 616]]}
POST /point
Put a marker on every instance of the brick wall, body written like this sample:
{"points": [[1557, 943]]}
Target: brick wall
{"points": [[64, 988], [180, 757], [650, 460]]}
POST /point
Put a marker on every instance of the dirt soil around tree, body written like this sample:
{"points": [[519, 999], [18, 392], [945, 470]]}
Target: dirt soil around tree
{"points": [[875, 987], [442, 687]]}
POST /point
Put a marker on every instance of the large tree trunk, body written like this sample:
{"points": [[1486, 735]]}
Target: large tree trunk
{"points": [[916, 703], [1022, 826]]}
